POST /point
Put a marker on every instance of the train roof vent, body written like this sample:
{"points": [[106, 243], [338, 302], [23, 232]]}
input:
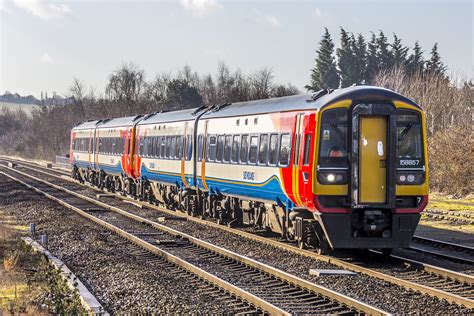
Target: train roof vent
{"points": [[220, 106], [319, 94], [136, 117], [199, 109], [149, 115]]}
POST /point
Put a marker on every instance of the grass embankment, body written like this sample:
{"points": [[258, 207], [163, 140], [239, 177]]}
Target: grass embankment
{"points": [[28, 284], [444, 203]]}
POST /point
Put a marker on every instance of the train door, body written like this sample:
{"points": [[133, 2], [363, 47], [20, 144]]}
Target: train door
{"points": [[298, 174], [95, 151], [135, 159], [305, 160], [372, 160], [185, 153], [202, 156], [127, 158]]}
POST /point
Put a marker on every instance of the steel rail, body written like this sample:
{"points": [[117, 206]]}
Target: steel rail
{"points": [[341, 263], [226, 286], [291, 279], [443, 244]]}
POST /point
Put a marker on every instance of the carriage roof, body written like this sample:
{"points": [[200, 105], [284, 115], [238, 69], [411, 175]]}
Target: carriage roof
{"points": [[299, 102]]}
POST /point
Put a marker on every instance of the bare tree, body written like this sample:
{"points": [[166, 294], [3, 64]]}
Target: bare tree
{"points": [[261, 82], [77, 90], [126, 85]]}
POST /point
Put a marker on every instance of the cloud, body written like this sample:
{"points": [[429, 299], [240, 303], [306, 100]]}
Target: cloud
{"points": [[46, 59], [43, 9], [200, 7], [265, 19], [318, 13]]}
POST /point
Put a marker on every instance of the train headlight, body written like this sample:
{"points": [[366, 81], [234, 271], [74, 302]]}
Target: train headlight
{"points": [[410, 178], [332, 177]]}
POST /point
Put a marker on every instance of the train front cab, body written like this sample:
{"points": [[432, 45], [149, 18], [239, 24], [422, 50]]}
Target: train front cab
{"points": [[371, 173]]}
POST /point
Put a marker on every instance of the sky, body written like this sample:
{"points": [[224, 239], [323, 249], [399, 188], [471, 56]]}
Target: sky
{"points": [[45, 44]]}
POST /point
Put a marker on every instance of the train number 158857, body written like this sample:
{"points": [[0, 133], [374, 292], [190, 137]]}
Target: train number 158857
{"points": [[409, 162]]}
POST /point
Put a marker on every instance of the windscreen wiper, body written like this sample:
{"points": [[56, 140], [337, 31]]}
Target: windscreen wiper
{"points": [[338, 131], [405, 132]]}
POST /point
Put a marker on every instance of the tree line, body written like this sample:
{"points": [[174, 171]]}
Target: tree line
{"points": [[357, 60], [127, 91], [448, 105]]}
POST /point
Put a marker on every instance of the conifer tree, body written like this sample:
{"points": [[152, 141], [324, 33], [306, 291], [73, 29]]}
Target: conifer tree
{"points": [[435, 65], [324, 74], [398, 52], [416, 62], [372, 60], [346, 60], [384, 56], [359, 48]]}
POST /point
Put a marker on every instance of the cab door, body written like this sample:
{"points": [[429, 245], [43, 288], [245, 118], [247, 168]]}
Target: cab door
{"points": [[302, 160], [306, 160], [372, 160]]}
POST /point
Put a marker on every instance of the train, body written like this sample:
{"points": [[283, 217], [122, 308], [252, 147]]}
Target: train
{"points": [[342, 168]]}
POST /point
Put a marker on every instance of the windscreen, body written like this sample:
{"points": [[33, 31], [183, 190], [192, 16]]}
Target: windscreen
{"points": [[409, 145], [333, 139]]}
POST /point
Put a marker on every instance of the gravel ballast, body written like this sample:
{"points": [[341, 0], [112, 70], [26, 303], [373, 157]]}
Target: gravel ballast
{"points": [[375, 292], [105, 263]]}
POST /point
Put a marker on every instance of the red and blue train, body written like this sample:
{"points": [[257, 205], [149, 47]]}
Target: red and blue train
{"points": [[342, 168]]}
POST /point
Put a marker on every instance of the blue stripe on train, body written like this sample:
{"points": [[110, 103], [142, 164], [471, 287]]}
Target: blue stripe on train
{"points": [[116, 170], [269, 190]]}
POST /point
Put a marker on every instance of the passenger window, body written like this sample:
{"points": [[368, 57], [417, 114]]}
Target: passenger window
{"points": [[227, 148], [168, 147], [235, 148], [199, 149], [244, 149], [273, 152], [307, 148], [163, 147], [173, 147], [253, 149], [157, 146], [179, 147], [220, 147], [263, 150], [212, 152], [153, 145], [189, 145], [285, 149]]}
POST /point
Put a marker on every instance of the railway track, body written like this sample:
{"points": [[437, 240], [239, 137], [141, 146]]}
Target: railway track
{"points": [[438, 282], [443, 249], [256, 287], [452, 216]]}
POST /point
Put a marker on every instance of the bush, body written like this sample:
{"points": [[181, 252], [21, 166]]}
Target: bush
{"points": [[450, 161]]}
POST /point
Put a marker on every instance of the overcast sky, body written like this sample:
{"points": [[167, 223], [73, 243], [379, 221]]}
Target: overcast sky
{"points": [[43, 44]]}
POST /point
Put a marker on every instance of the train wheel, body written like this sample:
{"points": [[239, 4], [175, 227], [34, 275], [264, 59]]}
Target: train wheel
{"points": [[301, 244]]}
